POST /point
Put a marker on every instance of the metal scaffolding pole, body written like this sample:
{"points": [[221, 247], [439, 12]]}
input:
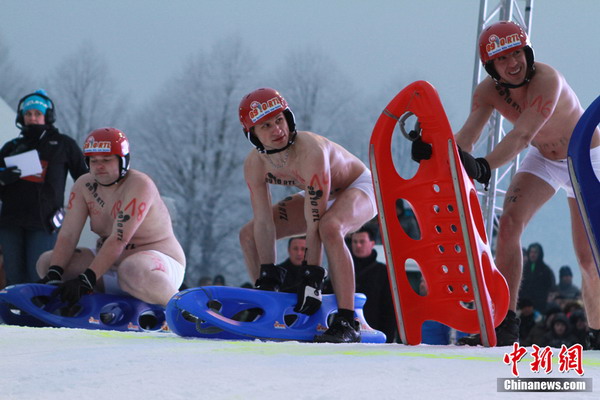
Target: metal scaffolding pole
{"points": [[519, 11]]}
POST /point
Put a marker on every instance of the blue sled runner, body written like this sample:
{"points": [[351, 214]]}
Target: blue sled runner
{"points": [[213, 312], [33, 305], [231, 313]]}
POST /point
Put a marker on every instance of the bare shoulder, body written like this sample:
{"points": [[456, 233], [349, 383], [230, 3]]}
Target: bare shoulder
{"points": [[82, 182], [139, 182], [83, 179], [486, 90], [253, 165], [546, 78], [546, 71], [312, 145]]}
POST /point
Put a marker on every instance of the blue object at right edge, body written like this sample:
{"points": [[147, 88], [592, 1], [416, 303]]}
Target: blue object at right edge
{"points": [[584, 180]]}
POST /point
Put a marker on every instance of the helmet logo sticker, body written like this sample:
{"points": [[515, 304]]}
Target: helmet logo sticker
{"points": [[92, 146], [259, 110], [497, 44]]}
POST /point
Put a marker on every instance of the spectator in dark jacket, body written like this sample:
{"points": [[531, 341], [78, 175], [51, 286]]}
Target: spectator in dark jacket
{"points": [[578, 321], [32, 205], [372, 280], [538, 279], [293, 275], [560, 333], [539, 330], [565, 286], [528, 317]]}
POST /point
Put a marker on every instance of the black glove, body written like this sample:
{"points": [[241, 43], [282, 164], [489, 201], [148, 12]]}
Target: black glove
{"points": [[9, 175], [53, 277], [309, 289], [477, 168], [420, 150], [271, 277], [71, 291]]}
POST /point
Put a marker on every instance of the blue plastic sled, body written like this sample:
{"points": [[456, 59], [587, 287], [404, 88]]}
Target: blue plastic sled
{"points": [[222, 312], [584, 180], [33, 305]]}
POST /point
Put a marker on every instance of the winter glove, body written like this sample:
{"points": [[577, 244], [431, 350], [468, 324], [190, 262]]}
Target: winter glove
{"points": [[9, 175], [420, 150], [477, 168], [71, 291], [271, 277], [53, 277], [309, 289]]}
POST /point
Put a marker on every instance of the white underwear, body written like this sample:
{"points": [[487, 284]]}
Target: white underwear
{"points": [[364, 183], [555, 173], [174, 270]]}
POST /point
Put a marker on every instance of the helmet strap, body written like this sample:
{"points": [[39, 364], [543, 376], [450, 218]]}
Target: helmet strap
{"points": [[109, 184]]}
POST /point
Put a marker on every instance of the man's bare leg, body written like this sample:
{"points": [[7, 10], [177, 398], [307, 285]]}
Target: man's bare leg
{"points": [[351, 210], [80, 260], [142, 277], [526, 194]]}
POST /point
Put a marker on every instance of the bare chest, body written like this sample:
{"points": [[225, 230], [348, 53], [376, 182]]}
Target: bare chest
{"points": [[509, 105], [104, 207]]}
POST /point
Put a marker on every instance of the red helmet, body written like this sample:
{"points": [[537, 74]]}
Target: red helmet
{"points": [[108, 141], [259, 105], [501, 38]]}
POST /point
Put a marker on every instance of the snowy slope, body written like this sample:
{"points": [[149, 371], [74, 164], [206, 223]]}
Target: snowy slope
{"points": [[64, 364]]}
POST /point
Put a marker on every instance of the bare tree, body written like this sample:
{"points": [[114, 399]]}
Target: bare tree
{"points": [[14, 83], [401, 145], [194, 148], [85, 94], [322, 98]]}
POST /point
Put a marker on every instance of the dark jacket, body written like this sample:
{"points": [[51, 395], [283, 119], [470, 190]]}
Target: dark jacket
{"points": [[552, 339], [293, 277], [537, 282], [372, 280], [32, 201]]}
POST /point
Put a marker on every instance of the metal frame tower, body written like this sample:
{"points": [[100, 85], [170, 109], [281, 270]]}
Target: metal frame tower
{"points": [[519, 11]]}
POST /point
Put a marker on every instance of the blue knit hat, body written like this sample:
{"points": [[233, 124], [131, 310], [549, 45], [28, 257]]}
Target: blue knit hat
{"points": [[36, 102]]}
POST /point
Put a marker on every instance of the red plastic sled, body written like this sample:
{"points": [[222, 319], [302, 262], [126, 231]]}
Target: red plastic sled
{"points": [[453, 252]]}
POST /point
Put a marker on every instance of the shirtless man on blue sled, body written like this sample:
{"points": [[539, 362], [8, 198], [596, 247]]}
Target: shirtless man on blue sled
{"points": [[337, 198]]}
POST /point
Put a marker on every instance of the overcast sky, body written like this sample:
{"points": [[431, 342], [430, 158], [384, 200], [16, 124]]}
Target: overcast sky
{"points": [[374, 41], [377, 44]]}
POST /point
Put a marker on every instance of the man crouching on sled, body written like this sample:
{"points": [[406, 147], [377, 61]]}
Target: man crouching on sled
{"points": [[138, 253], [337, 198]]}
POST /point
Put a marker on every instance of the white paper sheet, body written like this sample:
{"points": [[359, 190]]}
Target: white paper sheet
{"points": [[28, 162]]}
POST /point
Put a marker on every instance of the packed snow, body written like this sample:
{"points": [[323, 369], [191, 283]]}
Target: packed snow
{"points": [[61, 364]]}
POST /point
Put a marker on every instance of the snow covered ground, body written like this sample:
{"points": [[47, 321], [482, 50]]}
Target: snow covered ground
{"points": [[64, 364]]}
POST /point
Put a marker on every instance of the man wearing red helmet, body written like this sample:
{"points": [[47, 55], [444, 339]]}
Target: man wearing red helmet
{"points": [[337, 198], [544, 110], [137, 252]]}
